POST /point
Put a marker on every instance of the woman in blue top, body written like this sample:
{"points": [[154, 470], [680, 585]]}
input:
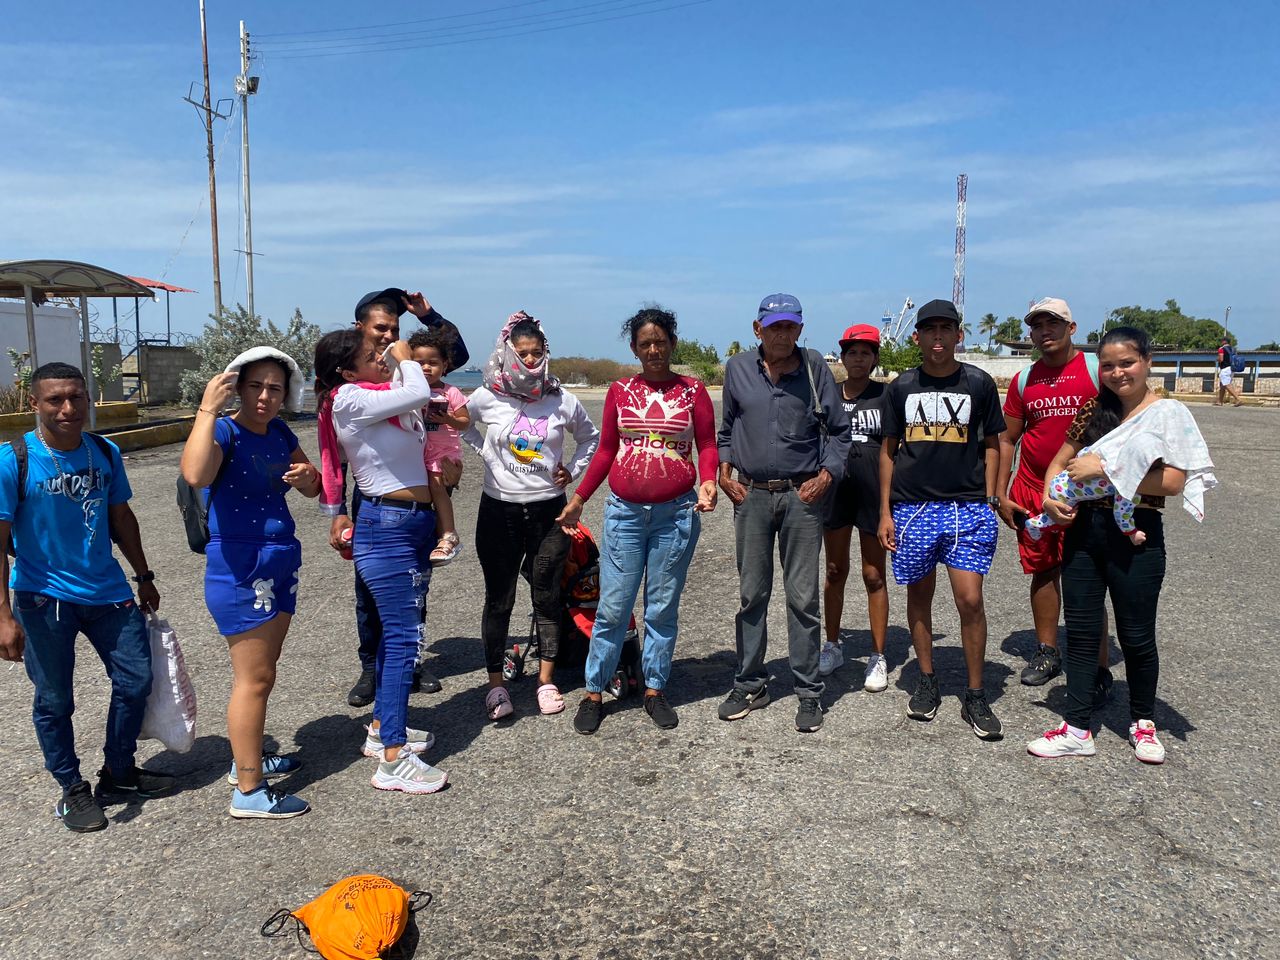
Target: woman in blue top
{"points": [[249, 461]]}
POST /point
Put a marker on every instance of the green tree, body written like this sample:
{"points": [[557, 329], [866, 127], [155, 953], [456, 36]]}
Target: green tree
{"points": [[1170, 327], [1270, 345], [1010, 329], [896, 357], [227, 336], [691, 352], [101, 375], [989, 324], [733, 349]]}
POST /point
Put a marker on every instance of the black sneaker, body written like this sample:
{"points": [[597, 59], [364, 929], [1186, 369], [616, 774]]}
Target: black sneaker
{"points": [[1044, 666], [741, 702], [976, 712], [425, 681], [137, 784], [587, 719], [361, 694], [78, 811], [925, 701], [809, 715], [1102, 688], [660, 711]]}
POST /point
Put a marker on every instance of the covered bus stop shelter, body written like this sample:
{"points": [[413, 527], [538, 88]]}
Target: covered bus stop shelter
{"points": [[36, 281]]}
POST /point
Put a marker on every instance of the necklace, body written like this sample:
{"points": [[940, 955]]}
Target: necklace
{"points": [[68, 480]]}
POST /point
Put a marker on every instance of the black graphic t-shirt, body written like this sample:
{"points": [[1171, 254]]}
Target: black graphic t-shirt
{"points": [[865, 410], [940, 423]]}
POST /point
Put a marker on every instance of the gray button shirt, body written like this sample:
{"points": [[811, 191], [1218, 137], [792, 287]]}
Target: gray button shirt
{"points": [[769, 431]]}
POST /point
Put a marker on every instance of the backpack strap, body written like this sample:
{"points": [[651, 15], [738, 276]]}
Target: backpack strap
{"points": [[1091, 364], [20, 454], [819, 414]]}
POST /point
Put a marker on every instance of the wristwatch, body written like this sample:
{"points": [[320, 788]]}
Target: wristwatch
{"points": [[993, 502], [147, 576]]}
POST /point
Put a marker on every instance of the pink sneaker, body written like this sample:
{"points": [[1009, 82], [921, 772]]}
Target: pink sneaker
{"points": [[1061, 742]]}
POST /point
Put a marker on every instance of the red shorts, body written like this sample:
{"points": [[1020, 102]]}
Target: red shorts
{"points": [[1040, 555]]}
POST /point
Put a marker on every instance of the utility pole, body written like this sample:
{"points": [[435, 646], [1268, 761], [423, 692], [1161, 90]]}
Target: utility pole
{"points": [[1225, 321], [246, 86], [957, 282], [207, 114]]}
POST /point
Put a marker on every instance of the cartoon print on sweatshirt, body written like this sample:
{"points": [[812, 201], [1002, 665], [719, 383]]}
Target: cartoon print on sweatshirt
{"points": [[526, 438]]}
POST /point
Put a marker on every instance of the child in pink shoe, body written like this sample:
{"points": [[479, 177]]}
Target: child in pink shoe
{"points": [[444, 416]]}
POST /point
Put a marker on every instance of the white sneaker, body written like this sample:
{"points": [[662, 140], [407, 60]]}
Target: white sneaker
{"points": [[1062, 743], [409, 773], [877, 677], [830, 658], [420, 741], [1146, 745]]}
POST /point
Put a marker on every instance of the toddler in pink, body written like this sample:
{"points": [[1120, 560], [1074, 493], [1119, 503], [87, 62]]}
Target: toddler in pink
{"points": [[444, 415]]}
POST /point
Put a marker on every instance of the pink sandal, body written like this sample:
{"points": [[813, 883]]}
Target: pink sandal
{"points": [[447, 550], [497, 703], [549, 699]]}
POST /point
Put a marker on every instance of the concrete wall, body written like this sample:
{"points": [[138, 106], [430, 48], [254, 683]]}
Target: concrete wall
{"points": [[57, 334], [162, 368]]}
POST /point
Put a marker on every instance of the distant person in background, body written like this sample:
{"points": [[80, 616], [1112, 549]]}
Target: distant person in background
{"points": [[855, 504], [61, 518], [1226, 375], [378, 318], [658, 451], [1041, 404]]}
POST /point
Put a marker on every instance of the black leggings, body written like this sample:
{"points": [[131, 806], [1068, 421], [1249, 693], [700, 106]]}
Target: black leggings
{"points": [[516, 538], [1096, 559]]}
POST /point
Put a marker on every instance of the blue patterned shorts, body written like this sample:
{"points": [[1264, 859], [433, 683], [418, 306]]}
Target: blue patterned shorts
{"points": [[959, 535]]}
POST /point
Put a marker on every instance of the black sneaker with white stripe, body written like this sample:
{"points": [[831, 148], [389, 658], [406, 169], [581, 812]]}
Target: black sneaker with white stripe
{"points": [[78, 811], [976, 712]]}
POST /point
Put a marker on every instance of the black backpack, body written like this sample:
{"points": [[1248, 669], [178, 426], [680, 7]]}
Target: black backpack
{"points": [[194, 505], [21, 456]]}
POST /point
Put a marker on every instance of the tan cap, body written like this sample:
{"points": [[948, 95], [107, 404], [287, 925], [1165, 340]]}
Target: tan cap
{"points": [[1052, 306]]}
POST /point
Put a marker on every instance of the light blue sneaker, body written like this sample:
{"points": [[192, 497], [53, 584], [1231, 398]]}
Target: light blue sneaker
{"points": [[265, 803], [273, 766]]}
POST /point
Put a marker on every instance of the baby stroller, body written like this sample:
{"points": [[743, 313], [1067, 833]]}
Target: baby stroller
{"points": [[580, 588]]}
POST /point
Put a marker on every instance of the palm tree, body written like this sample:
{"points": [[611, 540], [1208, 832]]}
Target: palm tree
{"points": [[989, 325]]}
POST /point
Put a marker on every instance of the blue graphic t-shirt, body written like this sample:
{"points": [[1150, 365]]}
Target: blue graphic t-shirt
{"points": [[61, 531], [248, 500]]}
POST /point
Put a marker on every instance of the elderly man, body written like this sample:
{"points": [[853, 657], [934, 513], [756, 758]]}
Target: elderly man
{"points": [[785, 431], [378, 317]]}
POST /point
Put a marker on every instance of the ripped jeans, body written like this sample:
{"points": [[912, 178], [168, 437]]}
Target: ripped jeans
{"points": [[392, 550], [516, 538]]}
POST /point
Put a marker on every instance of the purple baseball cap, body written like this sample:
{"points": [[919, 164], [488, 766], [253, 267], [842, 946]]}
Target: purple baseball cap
{"points": [[778, 307]]}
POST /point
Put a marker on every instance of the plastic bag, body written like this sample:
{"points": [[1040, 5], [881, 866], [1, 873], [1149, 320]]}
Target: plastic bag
{"points": [[359, 918], [171, 708]]}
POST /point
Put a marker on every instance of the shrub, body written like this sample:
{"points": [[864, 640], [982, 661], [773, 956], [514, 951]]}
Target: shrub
{"points": [[227, 336], [593, 372]]}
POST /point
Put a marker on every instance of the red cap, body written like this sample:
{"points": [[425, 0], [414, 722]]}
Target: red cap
{"points": [[860, 331]]}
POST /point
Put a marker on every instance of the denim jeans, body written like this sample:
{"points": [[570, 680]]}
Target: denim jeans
{"points": [[654, 541], [392, 549], [118, 632], [762, 519], [368, 626], [1098, 559]]}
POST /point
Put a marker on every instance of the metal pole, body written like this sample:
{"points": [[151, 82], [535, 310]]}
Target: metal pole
{"points": [[244, 150], [86, 352], [31, 325], [168, 330], [115, 318], [213, 184], [1225, 321]]}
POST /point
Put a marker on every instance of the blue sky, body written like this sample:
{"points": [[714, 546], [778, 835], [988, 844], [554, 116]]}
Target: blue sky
{"points": [[701, 156]]}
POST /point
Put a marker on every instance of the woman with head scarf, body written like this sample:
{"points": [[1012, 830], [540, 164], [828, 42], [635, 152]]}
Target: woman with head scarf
{"points": [[527, 415]]}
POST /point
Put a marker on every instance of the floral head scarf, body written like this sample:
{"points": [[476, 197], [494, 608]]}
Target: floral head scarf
{"points": [[506, 373]]}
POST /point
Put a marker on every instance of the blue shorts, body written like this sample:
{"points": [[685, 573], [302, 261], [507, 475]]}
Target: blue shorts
{"points": [[246, 584], [961, 535]]}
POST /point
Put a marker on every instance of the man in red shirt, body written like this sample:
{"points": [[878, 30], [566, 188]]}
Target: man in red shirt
{"points": [[1041, 403]]}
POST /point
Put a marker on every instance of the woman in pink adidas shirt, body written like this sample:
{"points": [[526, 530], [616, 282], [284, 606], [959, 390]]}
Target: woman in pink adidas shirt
{"points": [[653, 423]]}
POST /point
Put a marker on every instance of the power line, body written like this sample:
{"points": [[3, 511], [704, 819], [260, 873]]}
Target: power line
{"points": [[405, 23], [498, 34]]}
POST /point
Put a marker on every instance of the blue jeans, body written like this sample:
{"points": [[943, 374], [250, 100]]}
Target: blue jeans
{"points": [[118, 632], [392, 551], [368, 626], [654, 541], [760, 521]]}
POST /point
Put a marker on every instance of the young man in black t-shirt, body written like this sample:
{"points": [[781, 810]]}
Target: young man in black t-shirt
{"points": [[938, 475]]}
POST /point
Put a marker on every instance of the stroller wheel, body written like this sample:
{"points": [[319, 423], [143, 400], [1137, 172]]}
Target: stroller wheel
{"points": [[512, 664], [619, 685]]}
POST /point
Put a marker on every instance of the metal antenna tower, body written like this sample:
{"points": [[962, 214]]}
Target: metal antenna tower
{"points": [[957, 284], [246, 86]]}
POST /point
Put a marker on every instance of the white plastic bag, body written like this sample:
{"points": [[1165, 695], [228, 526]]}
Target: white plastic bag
{"points": [[171, 708]]}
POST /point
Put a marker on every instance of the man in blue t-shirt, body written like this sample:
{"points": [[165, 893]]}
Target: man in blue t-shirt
{"points": [[62, 513]]}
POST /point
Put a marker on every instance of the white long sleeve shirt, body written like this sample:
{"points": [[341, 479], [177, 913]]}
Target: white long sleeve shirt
{"points": [[524, 440], [383, 448]]}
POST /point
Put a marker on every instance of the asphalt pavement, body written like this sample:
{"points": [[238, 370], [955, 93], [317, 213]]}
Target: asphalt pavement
{"points": [[876, 837]]}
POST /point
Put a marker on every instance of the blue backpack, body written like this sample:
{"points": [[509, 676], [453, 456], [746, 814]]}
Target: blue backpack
{"points": [[1234, 358]]}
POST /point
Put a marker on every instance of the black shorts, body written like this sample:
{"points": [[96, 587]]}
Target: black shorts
{"points": [[854, 503]]}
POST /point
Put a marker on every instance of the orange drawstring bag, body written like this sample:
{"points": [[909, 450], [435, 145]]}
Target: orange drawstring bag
{"points": [[358, 918]]}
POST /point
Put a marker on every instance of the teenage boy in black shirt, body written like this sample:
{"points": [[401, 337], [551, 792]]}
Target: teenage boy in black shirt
{"points": [[938, 475]]}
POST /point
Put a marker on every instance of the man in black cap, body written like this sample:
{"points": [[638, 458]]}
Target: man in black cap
{"points": [[378, 317], [938, 475]]}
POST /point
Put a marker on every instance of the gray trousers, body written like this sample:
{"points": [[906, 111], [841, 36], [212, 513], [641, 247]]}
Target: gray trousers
{"points": [[760, 520]]}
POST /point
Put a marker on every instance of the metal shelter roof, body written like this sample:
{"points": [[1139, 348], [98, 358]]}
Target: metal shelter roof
{"points": [[65, 278], [161, 285]]}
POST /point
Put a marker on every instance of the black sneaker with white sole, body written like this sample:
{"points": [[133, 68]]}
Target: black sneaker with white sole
{"points": [[137, 784], [1044, 666], [424, 681], [587, 719], [741, 702], [78, 811], [926, 699], [976, 712], [809, 715], [659, 711]]}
